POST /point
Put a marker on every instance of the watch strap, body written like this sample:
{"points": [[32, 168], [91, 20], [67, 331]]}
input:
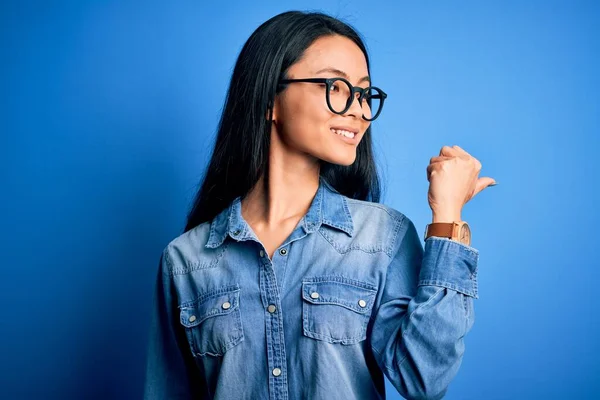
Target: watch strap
{"points": [[440, 229]]}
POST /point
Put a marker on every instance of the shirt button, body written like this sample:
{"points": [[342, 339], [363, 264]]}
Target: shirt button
{"points": [[192, 318], [314, 295], [283, 252], [271, 308], [262, 253], [226, 305], [237, 232], [276, 371], [362, 303]]}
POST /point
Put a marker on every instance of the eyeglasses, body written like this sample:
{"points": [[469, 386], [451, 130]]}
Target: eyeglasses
{"points": [[339, 94]]}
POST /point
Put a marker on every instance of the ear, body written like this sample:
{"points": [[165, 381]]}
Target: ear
{"points": [[267, 115], [274, 109]]}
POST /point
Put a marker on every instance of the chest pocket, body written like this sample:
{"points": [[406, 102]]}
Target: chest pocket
{"points": [[336, 309], [213, 323]]}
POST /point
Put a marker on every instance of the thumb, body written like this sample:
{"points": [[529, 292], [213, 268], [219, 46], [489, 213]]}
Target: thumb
{"points": [[482, 183]]}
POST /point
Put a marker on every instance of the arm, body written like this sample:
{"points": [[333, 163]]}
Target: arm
{"points": [[425, 311], [171, 371]]}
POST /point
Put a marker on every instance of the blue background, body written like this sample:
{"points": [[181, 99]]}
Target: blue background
{"points": [[108, 115]]}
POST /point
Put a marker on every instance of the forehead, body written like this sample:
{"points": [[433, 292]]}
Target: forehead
{"points": [[336, 52]]}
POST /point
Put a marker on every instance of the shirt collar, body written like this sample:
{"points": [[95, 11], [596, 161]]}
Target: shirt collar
{"points": [[328, 207]]}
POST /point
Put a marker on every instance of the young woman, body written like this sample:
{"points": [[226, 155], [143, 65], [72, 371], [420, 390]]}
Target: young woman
{"points": [[291, 281]]}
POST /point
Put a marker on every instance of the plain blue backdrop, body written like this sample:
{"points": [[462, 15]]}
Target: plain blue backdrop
{"points": [[108, 115]]}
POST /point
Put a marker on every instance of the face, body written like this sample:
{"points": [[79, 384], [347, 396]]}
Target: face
{"points": [[302, 118]]}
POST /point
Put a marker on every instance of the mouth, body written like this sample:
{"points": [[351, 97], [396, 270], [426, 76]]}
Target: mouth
{"points": [[345, 132]]}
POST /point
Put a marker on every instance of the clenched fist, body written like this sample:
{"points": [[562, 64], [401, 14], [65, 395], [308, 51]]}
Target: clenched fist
{"points": [[453, 181]]}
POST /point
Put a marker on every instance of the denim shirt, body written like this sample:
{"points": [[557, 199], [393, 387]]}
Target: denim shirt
{"points": [[350, 296]]}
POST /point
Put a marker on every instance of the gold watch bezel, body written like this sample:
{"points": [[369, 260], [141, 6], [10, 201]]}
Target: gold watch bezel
{"points": [[462, 227]]}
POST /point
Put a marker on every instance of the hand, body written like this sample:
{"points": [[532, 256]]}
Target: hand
{"points": [[453, 181]]}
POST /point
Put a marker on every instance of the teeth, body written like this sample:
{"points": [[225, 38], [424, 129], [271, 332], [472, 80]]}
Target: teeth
{"points": [[343, 133]]}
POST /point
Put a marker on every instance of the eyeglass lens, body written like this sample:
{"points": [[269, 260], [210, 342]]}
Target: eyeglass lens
{"points": [[339, 98]]}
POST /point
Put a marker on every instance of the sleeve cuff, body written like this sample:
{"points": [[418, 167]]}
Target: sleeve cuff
{"points": [[450, 264]]}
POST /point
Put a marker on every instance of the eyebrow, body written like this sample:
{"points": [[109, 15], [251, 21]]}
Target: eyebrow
{"points": [[343, 74]]}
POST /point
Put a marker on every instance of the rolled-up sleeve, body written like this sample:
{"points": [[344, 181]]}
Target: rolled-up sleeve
{"points": [[171, 372], [425, 311]]}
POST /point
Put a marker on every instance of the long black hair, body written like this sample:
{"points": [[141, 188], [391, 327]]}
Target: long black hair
{"points": [[241, 151]]}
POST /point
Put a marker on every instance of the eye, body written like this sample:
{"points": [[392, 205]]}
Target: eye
{"points": [[334, 87]]}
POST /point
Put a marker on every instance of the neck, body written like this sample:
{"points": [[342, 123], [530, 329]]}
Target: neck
{"points": [[286, 191]]}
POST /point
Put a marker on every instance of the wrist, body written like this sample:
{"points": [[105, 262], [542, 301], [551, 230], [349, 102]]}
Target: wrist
{"points": [[446, 217]]}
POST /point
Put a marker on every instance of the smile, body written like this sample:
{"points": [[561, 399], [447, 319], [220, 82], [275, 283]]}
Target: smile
{"points": [[342, 132]]}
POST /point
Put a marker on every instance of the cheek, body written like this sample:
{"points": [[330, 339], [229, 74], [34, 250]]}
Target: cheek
{"points": [[306, 121]]}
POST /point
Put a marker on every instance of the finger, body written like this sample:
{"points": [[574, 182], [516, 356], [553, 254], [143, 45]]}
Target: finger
{"points": [[482, 183], [461, 150], [448, 151], [432, 169], [439, 158], [429, 175]]}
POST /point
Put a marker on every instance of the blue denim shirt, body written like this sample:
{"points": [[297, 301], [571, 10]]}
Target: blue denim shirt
{"points": [[350, 296]]}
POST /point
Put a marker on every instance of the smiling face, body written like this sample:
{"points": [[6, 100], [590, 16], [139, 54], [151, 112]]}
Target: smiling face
{"points": [[301, 116]]}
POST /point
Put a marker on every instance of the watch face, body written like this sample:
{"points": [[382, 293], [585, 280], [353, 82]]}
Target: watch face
{"points": [[465, 234]]}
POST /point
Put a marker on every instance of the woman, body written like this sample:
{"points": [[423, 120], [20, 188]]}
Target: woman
{"points": [[290, 280]]}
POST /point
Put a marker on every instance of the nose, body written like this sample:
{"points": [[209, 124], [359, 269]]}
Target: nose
{"points": [[355, 107]]}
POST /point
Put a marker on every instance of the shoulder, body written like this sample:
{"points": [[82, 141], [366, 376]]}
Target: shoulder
{"points": [[383, 223], [187, 252], [370, 209], [370, 213]]}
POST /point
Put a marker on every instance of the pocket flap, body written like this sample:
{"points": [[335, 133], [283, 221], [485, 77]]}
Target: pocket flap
{"points": [[351, 294], [216, 302]]}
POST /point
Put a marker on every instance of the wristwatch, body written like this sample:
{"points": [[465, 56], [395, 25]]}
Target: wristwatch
{"points": [[457, 230]]}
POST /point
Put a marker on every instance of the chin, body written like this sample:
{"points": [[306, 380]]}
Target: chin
{"points": [[345, 161]]}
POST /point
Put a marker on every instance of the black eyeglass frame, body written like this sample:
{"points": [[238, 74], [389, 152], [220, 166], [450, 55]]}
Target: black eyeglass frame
{"points": [[354, 89]]}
